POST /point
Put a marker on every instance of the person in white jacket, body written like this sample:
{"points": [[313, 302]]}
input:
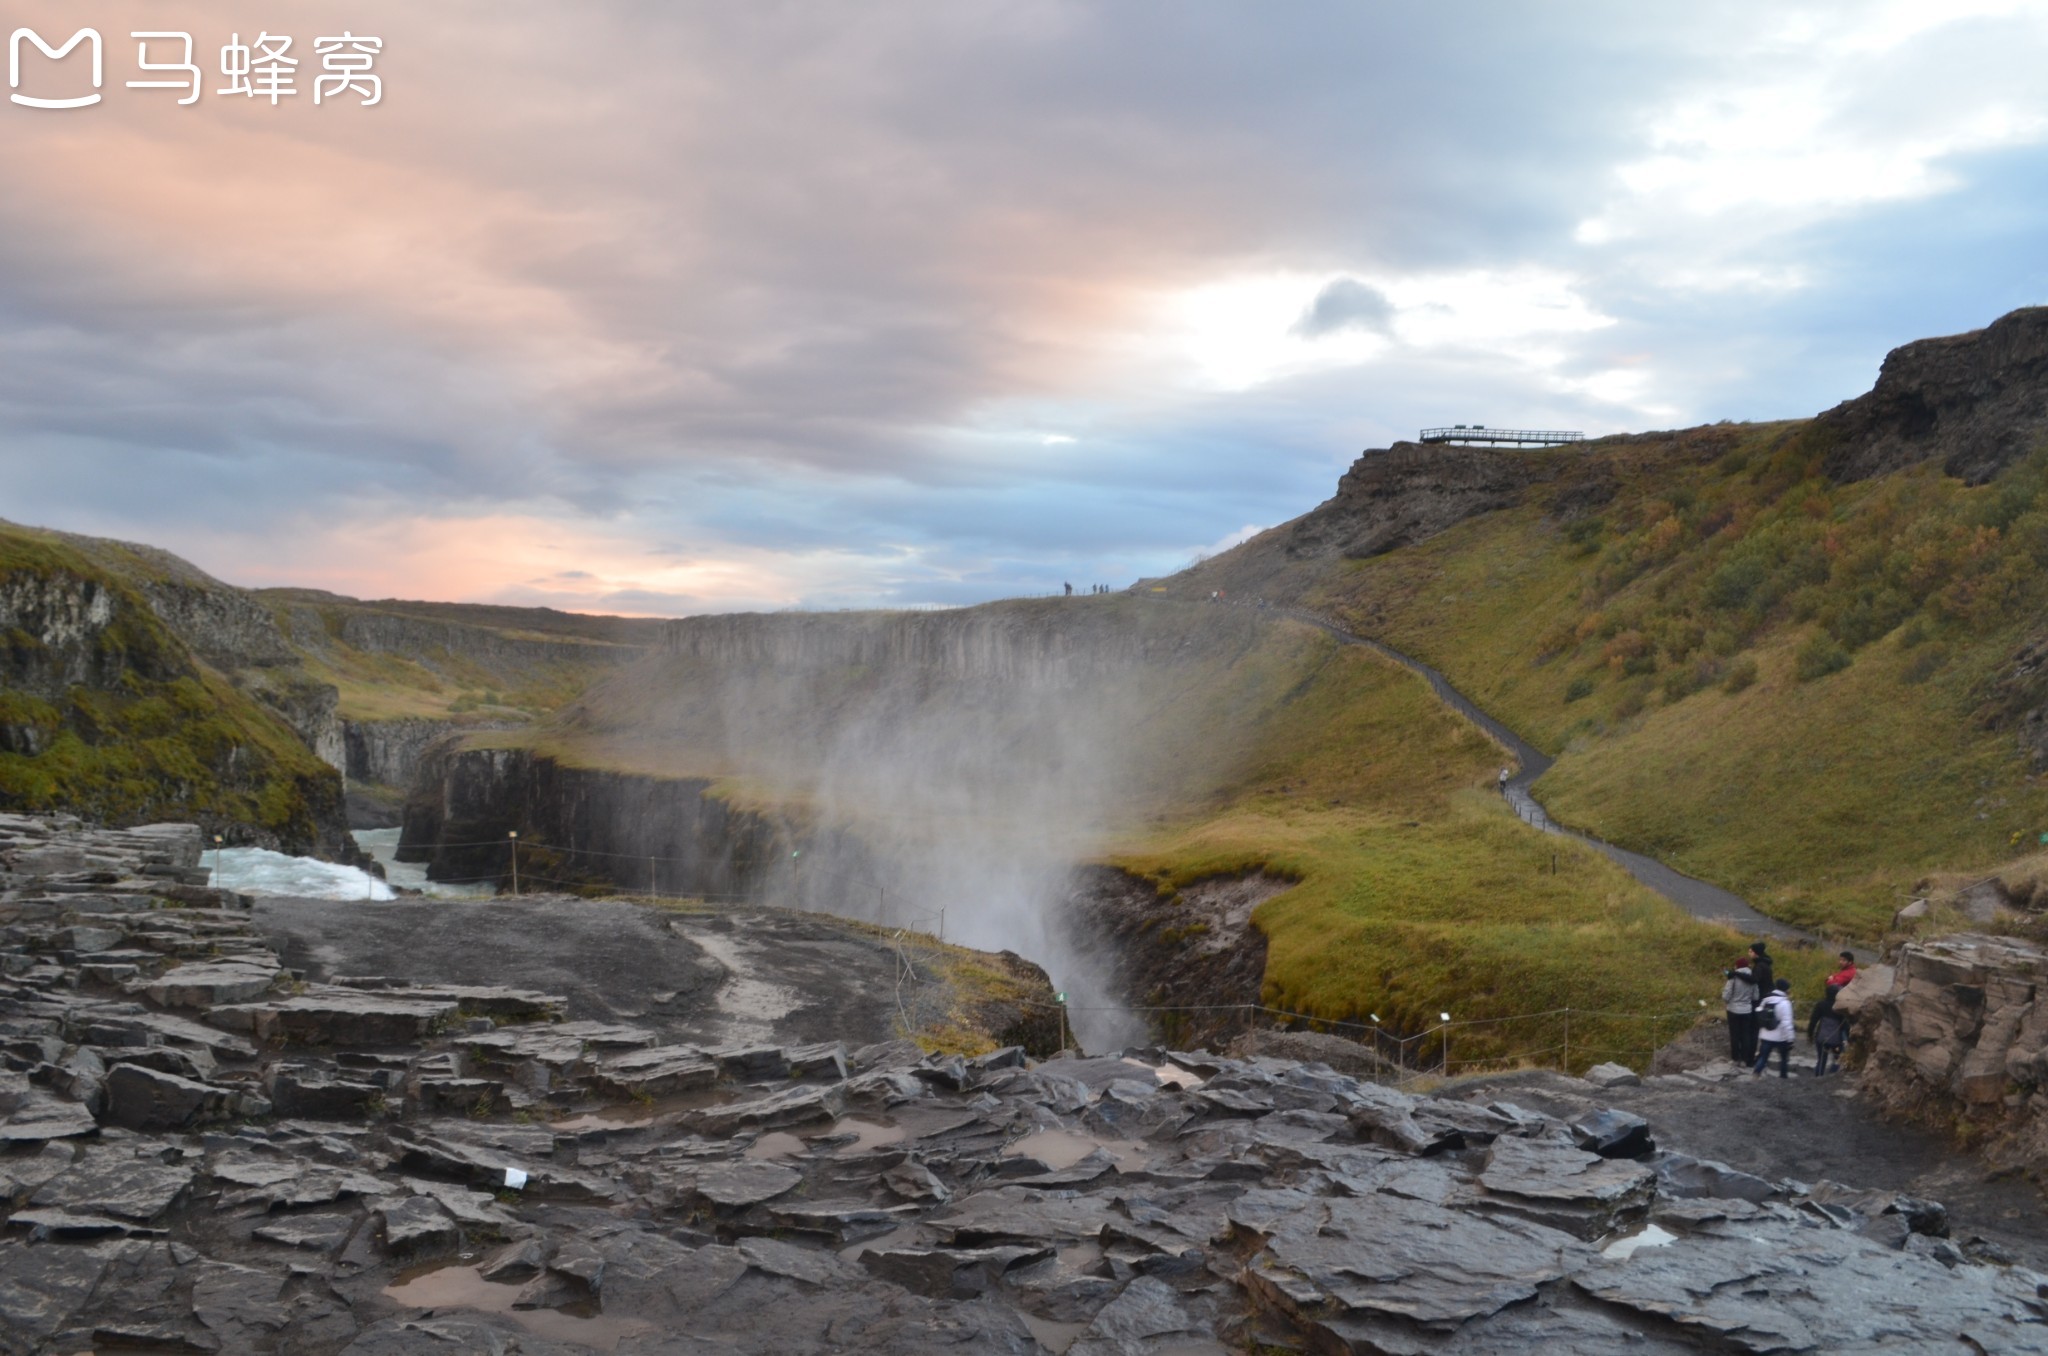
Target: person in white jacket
{"points": [[1775, 1030]]}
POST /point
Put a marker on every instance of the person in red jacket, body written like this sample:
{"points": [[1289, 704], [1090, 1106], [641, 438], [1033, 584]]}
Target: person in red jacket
{"points": [[1844, 977]]}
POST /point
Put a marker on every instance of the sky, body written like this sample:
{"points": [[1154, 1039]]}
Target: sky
{"points": [[667, 307]]}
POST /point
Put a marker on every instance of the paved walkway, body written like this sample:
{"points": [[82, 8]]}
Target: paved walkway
{"points": [[1697, 897]]}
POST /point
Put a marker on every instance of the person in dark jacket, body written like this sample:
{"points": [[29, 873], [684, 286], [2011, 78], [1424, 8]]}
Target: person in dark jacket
{"points": [[1739, 996], [1760, 968], [1828, 1029]]}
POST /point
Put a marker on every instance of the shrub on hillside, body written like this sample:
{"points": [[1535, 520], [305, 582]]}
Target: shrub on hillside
{"points": [[1820, 656], [1627, 651], [1924, 665], [1741, 674], [1869, 614], [1581, 687]]}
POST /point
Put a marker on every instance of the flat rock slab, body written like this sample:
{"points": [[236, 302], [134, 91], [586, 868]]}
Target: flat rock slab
{"points": [[142, 1098], [560, 1046], [206, 984], [735, 1185], [417, 1224], [340, 1017], [491, 1000], [793, 1106], [47, 1119], [319, 1233], [663, 1071], [110, 1182], [1779, 1287], [1549, 1171], [1383, 1254], [1613, 1076]]}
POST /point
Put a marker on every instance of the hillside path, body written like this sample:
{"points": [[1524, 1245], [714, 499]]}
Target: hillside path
{"points": [[1695, 896]]}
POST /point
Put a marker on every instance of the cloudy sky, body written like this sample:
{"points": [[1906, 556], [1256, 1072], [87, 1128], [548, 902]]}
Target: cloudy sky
{"points": [[669, 306]]}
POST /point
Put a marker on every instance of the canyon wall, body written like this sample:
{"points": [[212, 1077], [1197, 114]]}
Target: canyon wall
{"points": [[134, 688], [582, 826]]}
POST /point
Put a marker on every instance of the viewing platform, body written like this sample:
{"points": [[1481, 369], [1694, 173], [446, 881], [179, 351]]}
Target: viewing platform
{"points": [[1516, 437]]}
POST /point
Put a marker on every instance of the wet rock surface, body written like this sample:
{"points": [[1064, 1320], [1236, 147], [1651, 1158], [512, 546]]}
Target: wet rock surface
{"points": [[319, 1192]]}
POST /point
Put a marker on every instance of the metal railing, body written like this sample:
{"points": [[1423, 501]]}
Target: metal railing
{"points": [[1520, 437]]}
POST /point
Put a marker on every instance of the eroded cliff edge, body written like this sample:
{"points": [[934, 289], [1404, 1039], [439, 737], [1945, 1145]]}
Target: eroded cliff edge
{"points": [[1960, 1043]]}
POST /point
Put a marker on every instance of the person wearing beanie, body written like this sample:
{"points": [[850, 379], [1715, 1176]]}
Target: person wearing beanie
{"points": [[1760, 967], [1776, 1030], [1739, 997]]}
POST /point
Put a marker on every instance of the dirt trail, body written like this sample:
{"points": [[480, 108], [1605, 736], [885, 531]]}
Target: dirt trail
{"points": [[1696, 897]]}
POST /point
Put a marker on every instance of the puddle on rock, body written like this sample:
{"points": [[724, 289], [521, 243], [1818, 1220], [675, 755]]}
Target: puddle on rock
{"points": [[1629, 1244], [1169, 1074], [858, 1137], [1080, 1256], [447, 1285], [866, 1135], [1054, 1337], [776, 1144], [1062, 1149]]}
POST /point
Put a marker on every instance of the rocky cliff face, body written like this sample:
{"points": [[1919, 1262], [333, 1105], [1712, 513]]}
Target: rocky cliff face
{"points": [[1976, 401], [388, 752], [1406, 494], [1025, 645], [1961, 1042], [108, 709], [581, 826], [365, 628]]}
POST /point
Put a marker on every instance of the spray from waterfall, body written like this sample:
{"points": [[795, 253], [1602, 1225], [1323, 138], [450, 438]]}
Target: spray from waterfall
{"points": [[965, 762]]}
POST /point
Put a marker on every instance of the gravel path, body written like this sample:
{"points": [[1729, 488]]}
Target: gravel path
{"points": [[1695, 896]]}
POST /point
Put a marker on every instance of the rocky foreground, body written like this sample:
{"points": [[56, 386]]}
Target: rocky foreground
{"points": [[204, 1151]]}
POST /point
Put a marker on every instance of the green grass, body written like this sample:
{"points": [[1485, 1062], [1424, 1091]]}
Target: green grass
{"points": [[1766, 680], [1418, 892]]}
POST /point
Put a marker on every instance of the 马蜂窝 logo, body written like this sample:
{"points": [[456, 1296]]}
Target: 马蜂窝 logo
{"points": [[263, 68], [24, 36]]}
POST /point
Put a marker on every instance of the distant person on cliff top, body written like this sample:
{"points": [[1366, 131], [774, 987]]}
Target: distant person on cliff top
{"points": [[1739, 996], [1070, 590], [1844, 977], [1828, 1029], [1760, 968], [1505, 773], [1776, 1031]]}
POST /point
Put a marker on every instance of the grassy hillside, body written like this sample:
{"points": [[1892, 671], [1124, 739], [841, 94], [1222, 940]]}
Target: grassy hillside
{"points": [[1769, 679], [1419, 892], [106, 712], [396, 660]]}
